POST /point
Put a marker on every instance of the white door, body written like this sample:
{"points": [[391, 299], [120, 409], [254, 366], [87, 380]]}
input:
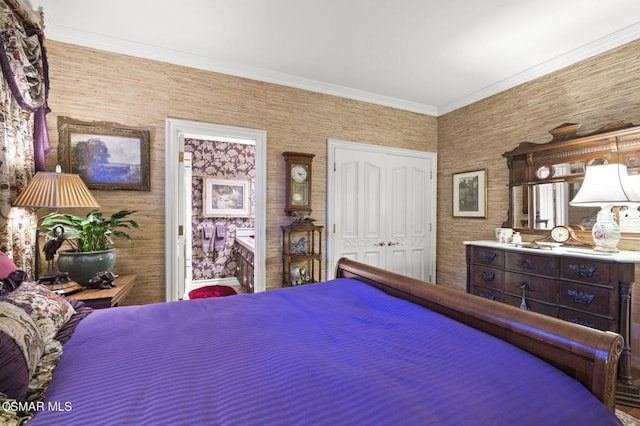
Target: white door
{"points": [[409, 251], [185, 246], [382, 208]]}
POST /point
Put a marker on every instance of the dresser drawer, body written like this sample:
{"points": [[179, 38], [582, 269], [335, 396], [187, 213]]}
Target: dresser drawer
{"points": [[487, 293], [580, 289], [530, 263], [539, 288], [586, 319], [532, 305], [585, 298], [586, 270], [487, 256], [487, 276]]}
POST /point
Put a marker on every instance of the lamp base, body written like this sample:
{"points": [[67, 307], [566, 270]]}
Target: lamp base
{"points": [[606, 232]]}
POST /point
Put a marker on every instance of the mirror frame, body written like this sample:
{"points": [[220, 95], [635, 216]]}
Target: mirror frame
{"points": [[531, 164]]}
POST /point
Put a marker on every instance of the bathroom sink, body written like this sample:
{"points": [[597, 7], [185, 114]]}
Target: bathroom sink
{"points": [[246, 238]]}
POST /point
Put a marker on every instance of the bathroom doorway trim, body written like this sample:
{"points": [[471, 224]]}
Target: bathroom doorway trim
{"points": [[176, 131]]}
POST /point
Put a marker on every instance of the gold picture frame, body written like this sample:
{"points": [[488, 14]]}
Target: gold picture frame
{"points": [[105, 155]]}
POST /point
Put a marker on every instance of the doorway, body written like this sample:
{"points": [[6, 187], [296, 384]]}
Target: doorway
{"points": [[175, 220]]}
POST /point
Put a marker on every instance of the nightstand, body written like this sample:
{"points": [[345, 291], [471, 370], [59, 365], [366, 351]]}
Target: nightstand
{"points": [[107, 298]]}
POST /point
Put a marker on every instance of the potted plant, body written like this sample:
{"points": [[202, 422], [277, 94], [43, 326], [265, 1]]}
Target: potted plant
{"points": [[91, 239]]}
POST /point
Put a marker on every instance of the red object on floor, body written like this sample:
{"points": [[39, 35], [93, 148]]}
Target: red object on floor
{"points": [[211, 291]]}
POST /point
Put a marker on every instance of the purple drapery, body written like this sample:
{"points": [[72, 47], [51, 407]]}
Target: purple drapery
{"points": [[41, 144], [24, 65]]}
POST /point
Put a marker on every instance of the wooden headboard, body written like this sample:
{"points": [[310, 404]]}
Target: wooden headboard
{"points": [[586, 354]]}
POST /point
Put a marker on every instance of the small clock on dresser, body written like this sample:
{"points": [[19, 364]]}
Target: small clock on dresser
{"points": [[563, 234], [298, 182]]}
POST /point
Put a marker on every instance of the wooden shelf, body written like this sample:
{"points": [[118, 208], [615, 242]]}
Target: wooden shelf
{"points": [[309, 258]]}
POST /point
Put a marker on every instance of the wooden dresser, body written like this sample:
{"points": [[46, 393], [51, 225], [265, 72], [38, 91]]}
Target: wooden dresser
{"points": [[572, 284]]}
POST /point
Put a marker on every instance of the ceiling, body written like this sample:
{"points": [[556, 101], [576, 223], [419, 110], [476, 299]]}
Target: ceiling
{"points": [[427, 56]]}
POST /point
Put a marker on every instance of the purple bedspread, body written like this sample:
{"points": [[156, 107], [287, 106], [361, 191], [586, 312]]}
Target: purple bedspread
{"points": [[333, 353]]}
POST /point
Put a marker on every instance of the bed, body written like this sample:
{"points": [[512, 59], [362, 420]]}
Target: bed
{"points": [[369, 347]]}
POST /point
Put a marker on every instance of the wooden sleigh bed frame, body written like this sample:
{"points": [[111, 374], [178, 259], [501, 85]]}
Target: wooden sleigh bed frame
{"points": [[370, 347], [588, 355]]}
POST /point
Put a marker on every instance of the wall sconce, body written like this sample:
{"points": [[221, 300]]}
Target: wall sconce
{"points": [[606, 186], [54, 191]]}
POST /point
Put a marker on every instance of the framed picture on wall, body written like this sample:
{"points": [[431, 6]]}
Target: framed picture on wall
{"points": [[470, 194], [223, 197], [105, 155]]}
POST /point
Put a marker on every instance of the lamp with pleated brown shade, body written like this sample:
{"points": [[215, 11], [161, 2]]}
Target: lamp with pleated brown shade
{"points": [[54, 190]]}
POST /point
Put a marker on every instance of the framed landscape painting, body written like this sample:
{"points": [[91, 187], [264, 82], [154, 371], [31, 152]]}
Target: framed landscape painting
{"points": [[470, 194], [105, 155]]}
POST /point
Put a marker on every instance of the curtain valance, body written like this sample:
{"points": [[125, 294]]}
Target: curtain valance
{"points": [[24, 66], [22, 61]]}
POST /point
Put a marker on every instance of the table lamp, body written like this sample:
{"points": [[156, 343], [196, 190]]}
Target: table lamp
{"points": [[54, 190], [606, 186]]}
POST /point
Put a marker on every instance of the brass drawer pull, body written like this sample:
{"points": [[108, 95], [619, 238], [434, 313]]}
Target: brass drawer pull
{"points": [[523, 302], [487, 275], [583, 270], [487, 296], [583, 322], [526, 263], [488, 256], [581, 297]]}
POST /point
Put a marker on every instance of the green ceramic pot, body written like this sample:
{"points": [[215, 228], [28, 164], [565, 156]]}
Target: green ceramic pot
{"points": [[82, 266]]}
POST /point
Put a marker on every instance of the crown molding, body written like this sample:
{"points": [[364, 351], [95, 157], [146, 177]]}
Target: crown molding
{"points": [[125, 47], [601, 45]]}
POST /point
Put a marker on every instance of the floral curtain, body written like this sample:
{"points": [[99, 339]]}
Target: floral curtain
{"points": [[23, 136]]}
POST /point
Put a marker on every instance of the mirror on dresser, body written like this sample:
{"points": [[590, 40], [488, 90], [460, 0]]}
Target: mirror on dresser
{"points": [[544, 177]]}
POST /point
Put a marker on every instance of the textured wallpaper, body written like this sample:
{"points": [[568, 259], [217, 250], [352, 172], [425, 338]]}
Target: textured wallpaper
{"points": [[225, 160]]}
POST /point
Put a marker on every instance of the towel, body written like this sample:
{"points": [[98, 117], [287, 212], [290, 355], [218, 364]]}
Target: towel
{"points": [[220, 239], [208, 237]]}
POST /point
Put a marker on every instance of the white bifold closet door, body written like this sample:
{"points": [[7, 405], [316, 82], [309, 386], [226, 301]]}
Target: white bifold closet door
{"points": [[384, 212]]}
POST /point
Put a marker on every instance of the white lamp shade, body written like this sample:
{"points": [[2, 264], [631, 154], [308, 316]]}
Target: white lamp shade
{"points": [[607, 184]]}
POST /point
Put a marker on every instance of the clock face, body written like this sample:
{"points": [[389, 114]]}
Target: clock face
{"points": [[298, 173], [560, 234], [543, 172]]}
